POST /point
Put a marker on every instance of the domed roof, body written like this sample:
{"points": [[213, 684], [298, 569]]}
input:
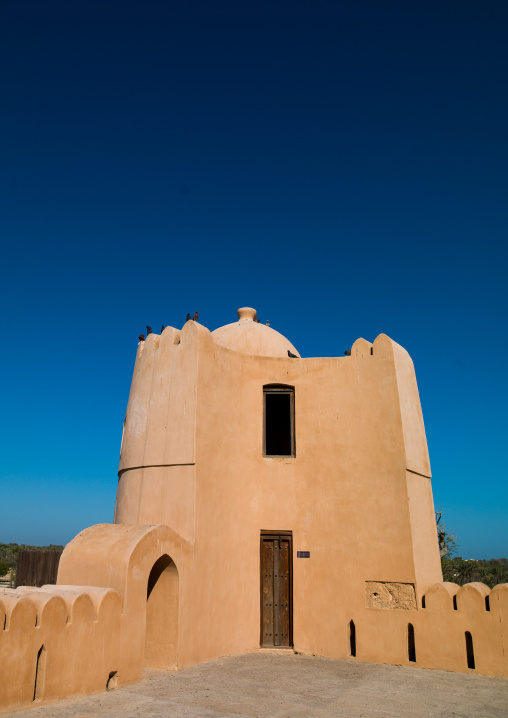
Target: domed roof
{"points": [[250, 337]]}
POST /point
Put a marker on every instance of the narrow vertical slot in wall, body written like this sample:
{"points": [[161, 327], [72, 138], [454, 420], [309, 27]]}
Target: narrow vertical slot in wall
{"points": [[352, 639], [455, 603], [469, 650], [487, 603], [411, 649], [40, 666]]}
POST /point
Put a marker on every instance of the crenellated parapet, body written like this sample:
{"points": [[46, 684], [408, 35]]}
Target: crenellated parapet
{"points": [[73, 639], [57, 640], [452, 628], [158, 452], [159, 423], [465, 628]]}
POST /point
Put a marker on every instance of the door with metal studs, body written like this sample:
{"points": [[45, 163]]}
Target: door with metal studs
{"points": [[276, 589]]}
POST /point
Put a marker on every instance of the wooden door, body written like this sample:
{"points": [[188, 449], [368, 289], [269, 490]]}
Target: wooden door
{"points": [[276, 589]]}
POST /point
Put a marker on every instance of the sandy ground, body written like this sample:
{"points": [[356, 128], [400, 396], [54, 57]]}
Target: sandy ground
{"points": [[274, 684]]}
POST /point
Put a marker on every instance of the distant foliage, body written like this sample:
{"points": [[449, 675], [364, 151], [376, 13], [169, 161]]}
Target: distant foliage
{"points": [[9, 552], [4, 569], [447, 540], [461, 571]]}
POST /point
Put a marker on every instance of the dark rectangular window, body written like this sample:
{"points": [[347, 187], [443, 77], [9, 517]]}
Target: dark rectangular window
{"points": [[279, 416]]}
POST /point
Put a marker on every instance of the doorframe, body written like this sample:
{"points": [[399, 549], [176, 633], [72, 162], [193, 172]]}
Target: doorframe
{"points": [[274, 535]]}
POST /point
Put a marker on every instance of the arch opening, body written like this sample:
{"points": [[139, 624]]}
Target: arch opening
{"points": [[161, 636]]}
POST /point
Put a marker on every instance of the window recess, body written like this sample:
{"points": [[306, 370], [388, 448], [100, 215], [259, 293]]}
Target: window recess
{"points": [[279, 420]]}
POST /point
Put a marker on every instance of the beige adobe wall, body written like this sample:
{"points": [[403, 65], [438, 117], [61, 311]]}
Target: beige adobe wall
{"points": [[443, 627], [419, 489], [164, 378], [97, 620], [347, 496], [86, 636], [78, 631], [344, 496], [439, 631], [423, 529], [157, 459], [121, 557], [415, 443]]}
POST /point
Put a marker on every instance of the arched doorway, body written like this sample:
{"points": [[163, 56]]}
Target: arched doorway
{"points": [[161, 638]]}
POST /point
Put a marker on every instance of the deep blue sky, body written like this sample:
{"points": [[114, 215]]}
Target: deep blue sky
{"points": [[340, 166]]}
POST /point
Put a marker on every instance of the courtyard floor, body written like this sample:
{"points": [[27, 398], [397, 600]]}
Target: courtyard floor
{"points": [[284, 684]]}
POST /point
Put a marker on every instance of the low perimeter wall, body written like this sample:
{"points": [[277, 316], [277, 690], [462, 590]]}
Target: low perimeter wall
{"points": [[57, 642], [463, 629], [69, 640]]}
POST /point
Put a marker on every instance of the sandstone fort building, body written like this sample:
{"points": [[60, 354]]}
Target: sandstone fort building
{"points": [[264, 501]]}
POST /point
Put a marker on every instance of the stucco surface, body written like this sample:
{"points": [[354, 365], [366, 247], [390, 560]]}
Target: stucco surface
{"points": [[56, 642], [121, 557], [345, 496]]}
